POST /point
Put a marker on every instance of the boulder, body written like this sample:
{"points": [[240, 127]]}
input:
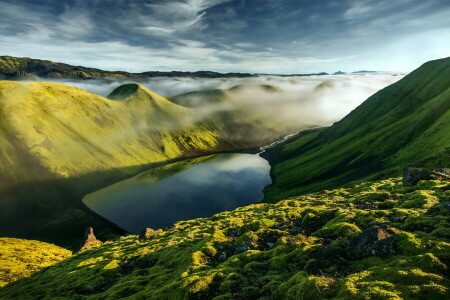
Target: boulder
{"points": [[90, 239], [375, 241], [147, 234], [411, 175]]}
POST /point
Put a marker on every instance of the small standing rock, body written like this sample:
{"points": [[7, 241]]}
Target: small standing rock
{"points": [[90, 239], [147, 234]]}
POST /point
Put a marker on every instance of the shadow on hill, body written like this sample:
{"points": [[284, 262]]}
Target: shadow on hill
{"points": [[51, 210]]}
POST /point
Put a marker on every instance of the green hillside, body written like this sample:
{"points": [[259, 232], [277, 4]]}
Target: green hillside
{"points": [[21, 258], [58, 143], [377, 240], [406, 123]]}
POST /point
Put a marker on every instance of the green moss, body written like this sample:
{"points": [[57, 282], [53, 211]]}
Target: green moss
{"points": [[20, 258], [294, 249]]}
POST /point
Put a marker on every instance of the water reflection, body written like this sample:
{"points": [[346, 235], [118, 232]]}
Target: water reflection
{"points": [[185, 190]]}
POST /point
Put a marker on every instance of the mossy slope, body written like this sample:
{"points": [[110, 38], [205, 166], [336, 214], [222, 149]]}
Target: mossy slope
{"points": [[295, 249], [406, 123], [58, 143], [21, 258]]}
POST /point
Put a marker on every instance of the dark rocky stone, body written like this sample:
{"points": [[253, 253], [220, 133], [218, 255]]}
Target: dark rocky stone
{"points": [[375, 241], [411, 176], [368, 206], [90, 239], [242, 247], [222, 257], [147, 234]]}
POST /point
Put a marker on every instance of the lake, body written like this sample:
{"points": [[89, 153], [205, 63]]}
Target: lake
{"points": [[192, 188]]}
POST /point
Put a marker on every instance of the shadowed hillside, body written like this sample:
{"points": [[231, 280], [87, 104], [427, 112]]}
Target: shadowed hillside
{"points": [[59, 143], [406, 123]]}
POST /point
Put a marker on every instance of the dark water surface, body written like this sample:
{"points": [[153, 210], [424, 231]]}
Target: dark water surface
{"points": [[193, 188]]}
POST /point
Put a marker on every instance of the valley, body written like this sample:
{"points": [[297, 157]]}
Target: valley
{"points": [[334, 215]]}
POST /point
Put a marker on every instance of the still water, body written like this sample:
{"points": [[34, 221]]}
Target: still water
{"points": [[192, 188]]}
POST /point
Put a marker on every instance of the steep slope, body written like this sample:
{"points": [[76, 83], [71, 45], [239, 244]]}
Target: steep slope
{"points": [[58, 143], [377, 240], [21, 258], [407, 123]]}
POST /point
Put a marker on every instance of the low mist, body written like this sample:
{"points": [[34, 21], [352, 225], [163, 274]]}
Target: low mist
{"points": [[318, 100]]}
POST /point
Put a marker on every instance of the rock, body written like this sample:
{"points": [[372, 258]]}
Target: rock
{"points": [[375, 241], [242, 247], [411, 176], [369, 206], [222, 257], [90, 239], [147, 234]]}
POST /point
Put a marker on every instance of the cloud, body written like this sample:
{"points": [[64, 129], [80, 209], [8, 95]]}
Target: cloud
{"points": [[172, 17], [223, 35], [298, 101]]}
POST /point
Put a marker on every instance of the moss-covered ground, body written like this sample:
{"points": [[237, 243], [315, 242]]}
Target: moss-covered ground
{"points": [[299, 248], [21, 258]]}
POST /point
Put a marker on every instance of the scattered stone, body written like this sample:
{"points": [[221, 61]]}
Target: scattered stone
{"points": [[90, 239], [147, 234], [242, 247], [369, 206], [375, 241], [411, 176], [222, 257], [270, 245]]}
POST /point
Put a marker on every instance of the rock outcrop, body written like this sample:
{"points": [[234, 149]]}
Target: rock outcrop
{"points": [[411, 175], [147, 234], [375, 241], [90, 239]]}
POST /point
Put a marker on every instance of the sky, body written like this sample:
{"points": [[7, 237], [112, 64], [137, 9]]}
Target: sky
{"points": [[256, 36]]}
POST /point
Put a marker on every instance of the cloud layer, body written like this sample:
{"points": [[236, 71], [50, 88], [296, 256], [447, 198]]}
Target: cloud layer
{"points": [[296, 101]]}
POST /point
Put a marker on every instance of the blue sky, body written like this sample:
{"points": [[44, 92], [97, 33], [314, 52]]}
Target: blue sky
{"points": [[259, 36]]}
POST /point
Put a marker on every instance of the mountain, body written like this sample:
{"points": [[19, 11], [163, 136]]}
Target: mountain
{"points": [[59, 143], [13, 68], [370, 240], [364, 72], [377, 240], [406, 123], [339, 73]]}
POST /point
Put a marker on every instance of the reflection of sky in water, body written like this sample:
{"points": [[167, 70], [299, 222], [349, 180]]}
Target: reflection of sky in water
{"points": [[222, 183]]}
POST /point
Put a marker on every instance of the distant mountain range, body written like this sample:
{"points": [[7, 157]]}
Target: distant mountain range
{"points": [[21, 68], [27, 68]]}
